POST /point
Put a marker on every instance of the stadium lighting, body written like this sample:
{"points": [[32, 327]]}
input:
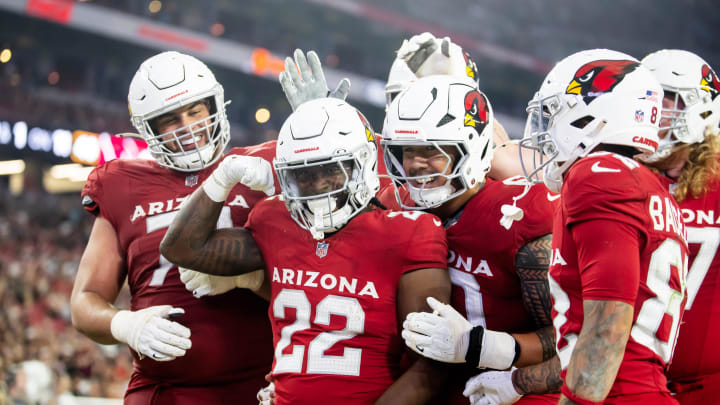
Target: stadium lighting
{"points": [[11, 167], [262, 115], [217, 29], [53, 78], [71, 171], [155, 6], [5, 55]]}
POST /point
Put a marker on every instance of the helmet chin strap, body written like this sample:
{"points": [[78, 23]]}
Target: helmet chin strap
{"points": [[326, 216], [430, 197]]}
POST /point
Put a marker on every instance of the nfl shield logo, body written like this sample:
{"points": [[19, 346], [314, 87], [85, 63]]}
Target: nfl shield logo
{"points": [[190, 181], [321, 250], [639, 116]]}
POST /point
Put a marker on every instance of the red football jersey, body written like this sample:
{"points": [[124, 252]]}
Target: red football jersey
{"points": [[481, 262], [605, 186], [695, 353], [333, 309], [486, 287], [231, 336]]}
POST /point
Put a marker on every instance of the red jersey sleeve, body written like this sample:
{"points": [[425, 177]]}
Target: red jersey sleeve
{"points": [[427, 246], [255, 215], [604, 186], [608, 260], [93, 194]]}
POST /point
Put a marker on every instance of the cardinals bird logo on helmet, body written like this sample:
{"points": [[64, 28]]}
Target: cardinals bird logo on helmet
{"points": [[710, 81], [470, 67], [368, 131], [598, 77], [476, 110]]}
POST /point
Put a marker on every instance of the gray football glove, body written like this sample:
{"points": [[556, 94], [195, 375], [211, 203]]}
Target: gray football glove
{"points": [[309, 83]]}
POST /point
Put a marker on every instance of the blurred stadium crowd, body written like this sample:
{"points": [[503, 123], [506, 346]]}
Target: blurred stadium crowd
{"points": [[41, 239]]}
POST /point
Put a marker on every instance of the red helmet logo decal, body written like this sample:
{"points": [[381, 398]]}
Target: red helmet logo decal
{"points": [[709, 81], [470, 67], [368, 129], [599, 77], [477, 111]]}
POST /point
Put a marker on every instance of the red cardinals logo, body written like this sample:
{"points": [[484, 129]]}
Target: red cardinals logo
{"points": [[470, 67], [477, 111], [599, 77], [709, 81], [368, 129]]}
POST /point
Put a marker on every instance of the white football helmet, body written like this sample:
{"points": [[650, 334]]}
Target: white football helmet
{"points": [[444, 58], [696, 90], [164, 83], [592, 97], [438, 111], [322, 139]]}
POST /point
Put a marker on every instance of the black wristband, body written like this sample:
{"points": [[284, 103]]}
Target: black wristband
{"points": [[472, 356], [517, 352]]}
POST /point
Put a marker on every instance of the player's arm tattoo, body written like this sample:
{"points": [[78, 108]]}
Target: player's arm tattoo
{"points": [[599, 349], [193, 242], [540, 378], [531, 263]]}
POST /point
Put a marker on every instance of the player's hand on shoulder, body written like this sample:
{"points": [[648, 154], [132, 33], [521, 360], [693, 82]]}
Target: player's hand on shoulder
{"points": [[151, 333], [492, 388], [309, 83], [252, 171], [445, 335], [201, 284]]}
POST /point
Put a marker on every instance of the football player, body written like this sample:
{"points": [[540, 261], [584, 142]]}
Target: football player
{"points": [[187, 351], [424, 55], [539, 345], [687, 161], [421, 55], [438, 149], [619, 256], [343, 273]]}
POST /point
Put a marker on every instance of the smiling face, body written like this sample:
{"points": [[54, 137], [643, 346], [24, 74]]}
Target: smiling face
{"points": [[189, 124], [427, 160]]}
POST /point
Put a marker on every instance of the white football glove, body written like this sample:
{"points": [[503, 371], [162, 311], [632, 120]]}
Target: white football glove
{"points": [[426, 55], [310, 83], [202, 284], [444, 336], [492, 388], [266, 396], [252, 171], [150, 333]]}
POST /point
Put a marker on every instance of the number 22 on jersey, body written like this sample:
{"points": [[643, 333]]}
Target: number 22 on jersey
{"points": [[317, 361]]}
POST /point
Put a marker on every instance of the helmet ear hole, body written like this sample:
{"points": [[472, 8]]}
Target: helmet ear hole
{"points": [[582, 122]]}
